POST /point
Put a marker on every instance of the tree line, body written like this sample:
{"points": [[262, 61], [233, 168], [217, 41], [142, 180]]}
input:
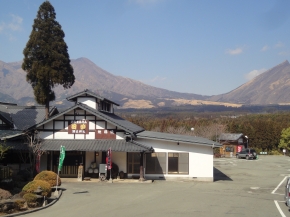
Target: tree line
{"points": [[263, 130]]}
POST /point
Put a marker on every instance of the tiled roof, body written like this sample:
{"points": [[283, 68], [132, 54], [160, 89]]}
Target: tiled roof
{"points": [[177, 138], [230, 136], [4, 115], [118, 145], [6, 134], [110, 117], [115, 120], [88, 93], [23, 117]]}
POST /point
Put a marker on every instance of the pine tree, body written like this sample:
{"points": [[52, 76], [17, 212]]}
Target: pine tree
{"points": [[46, 59]]}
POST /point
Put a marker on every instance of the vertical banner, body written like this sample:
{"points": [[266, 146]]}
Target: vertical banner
{"points": [[37, 162], [61, 157], [109, 159]]}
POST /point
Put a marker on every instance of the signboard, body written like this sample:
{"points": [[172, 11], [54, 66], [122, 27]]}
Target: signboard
{"points": [[78, 127], [109, 159], [239, 148], [105, 134]]}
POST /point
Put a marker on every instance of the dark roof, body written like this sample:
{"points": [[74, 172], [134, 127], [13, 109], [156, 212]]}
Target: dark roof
{"points": [[23, 117], [6, 134], [88, 93], [5, 115], [119, 145], [230, 136], [110, 117], [17, 145], [177, 138]]}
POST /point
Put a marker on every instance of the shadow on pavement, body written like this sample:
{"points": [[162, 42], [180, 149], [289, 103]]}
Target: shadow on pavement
{"points": [[220, 176], [81, 192]]}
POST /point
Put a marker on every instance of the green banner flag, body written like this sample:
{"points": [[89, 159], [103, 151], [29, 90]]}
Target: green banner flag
{"points": [[61, 157]]}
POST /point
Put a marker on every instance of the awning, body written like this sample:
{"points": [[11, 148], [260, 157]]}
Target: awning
{"points": [[118, 145]]}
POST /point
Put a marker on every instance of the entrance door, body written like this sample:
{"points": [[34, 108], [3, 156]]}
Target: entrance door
{"points": [[71, 163]]}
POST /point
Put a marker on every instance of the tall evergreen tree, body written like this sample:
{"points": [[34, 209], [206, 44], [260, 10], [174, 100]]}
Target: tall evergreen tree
{"points": [[46, 59]]}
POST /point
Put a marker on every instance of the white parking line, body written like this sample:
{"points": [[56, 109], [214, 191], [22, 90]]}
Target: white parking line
{"points": [[279, 209], [273, 192]]}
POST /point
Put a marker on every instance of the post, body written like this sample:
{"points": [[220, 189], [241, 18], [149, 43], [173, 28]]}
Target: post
{"points": [[56, 191], [61, 159], [141, 167]]}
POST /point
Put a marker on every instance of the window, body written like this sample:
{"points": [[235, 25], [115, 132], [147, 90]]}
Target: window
{"points": [[178, 163], [134, 163], [105, 106], [229, 149], [155, 163]]}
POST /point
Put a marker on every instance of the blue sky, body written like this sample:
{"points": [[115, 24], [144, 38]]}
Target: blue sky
{"points": [[204, 47]]}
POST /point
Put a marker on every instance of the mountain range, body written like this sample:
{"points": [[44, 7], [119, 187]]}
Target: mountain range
{"points": [[270, 87]]}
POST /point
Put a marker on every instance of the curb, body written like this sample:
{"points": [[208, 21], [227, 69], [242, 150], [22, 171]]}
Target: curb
{"points": [[36, 209]]}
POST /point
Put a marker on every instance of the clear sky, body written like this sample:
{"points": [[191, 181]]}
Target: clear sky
{"points": [[204, 47]]}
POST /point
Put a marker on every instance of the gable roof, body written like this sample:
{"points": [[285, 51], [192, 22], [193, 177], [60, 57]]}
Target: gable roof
{"points": [[177, 138], [87, 92], [23, 117], [230, 136], [109, 117]]}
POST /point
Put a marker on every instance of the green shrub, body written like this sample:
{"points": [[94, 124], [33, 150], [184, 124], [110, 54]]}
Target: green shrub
{"points": [[48, 176], [30, 187], [275, 152], [30, 197]]}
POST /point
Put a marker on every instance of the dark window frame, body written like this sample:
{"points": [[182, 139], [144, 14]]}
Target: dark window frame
{"points": [[171, 159], [133, 161], [155, 164]]}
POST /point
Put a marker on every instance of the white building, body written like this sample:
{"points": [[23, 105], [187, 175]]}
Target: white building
{"points": [[90, 127]]}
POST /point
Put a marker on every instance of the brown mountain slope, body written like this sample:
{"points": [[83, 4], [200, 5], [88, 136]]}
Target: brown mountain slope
{"points": [[89, 76], [270, 87], [93, 77]]}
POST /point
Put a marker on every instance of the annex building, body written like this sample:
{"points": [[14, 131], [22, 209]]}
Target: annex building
{"points": [[90, 128]]}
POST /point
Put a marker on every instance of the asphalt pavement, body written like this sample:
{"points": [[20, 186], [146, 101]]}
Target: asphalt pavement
{"points": [[241, 188]]}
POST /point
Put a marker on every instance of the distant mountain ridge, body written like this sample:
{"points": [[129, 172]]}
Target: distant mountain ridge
{"points": [[270, 87], [88, 76]]}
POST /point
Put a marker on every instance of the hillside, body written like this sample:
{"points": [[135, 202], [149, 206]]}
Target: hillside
{"points": [[270, 87], [124, 91]]}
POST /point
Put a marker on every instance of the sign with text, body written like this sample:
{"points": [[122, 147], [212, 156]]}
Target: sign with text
{"points": [[78, 127], [109, 159], [105, 134]]}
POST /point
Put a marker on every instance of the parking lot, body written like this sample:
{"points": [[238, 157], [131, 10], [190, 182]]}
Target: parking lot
{"points": [[241, 188]]}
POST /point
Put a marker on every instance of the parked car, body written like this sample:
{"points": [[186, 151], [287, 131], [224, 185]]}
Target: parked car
{"points": [[287, 192], [247, 153]]}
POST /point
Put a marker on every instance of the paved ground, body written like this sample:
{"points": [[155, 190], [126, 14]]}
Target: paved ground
{"points": [[242, 188]]}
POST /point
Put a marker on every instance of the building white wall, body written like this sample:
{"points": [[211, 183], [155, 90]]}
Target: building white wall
{"points": [[200, 158], [120, 158], [120, 135], [89, 101], [89, 159]]}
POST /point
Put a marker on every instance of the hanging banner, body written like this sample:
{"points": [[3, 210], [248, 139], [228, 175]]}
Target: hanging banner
{"points": [[37, 163], [109, 159], [61, 157]]}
